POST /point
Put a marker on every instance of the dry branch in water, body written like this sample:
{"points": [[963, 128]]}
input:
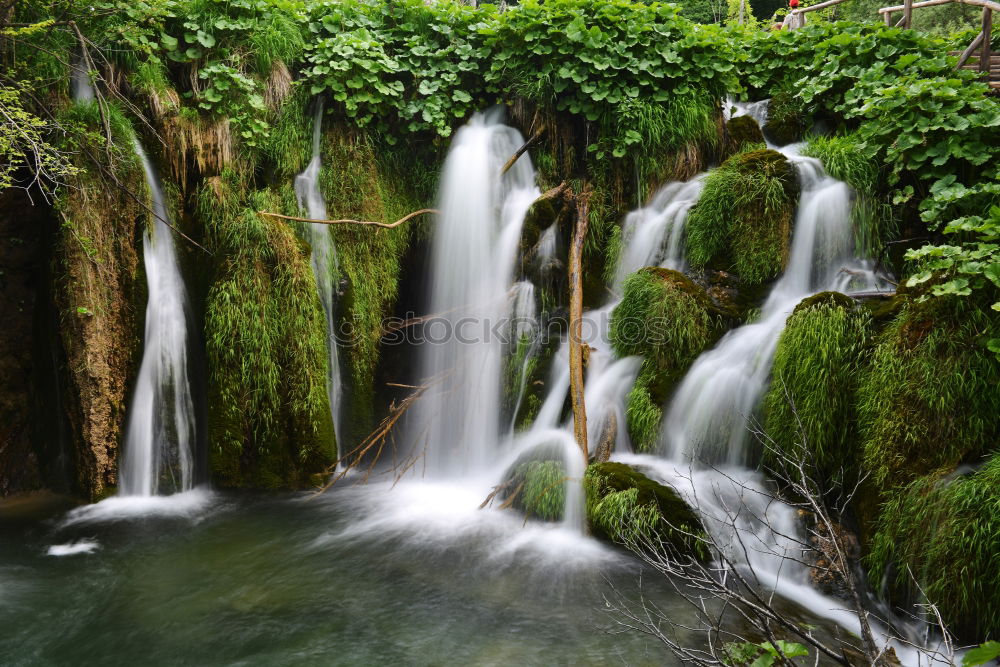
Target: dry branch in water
{"points": [[386, 225], [376, 439], [523, 149]]}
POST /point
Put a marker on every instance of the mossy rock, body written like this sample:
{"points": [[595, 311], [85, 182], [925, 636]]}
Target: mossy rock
{"points": [[743, 219], [944, 531], [928, 399], [786, 122], [540, 487], [668, 320], [809, 409], [269, 423], [626, 507], [832, 299], [744, 134]]}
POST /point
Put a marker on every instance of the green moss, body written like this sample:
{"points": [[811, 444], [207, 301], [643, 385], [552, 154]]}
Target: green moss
{"points": [[946, 531], [810, 402], [929, 399], [289, 144], [269, 416], [843, 159], [829, 299], [624, 505], [544, 492], [744, 216], [668, 320], [357, 186], [744, 134], [786, 121]]}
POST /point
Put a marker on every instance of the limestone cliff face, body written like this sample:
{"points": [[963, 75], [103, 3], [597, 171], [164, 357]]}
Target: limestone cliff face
{"points": [[20, 258], [96, 269]]}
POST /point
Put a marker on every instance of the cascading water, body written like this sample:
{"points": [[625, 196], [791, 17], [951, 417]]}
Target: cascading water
{"points": [[707, 419], [654, 235], [650, 235], [324, 265], [160, 434], [456, 425]]}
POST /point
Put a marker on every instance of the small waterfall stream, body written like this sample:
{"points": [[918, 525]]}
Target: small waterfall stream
{"points": [[457, 423], [160, 433], [324, 265], [707, 419]]}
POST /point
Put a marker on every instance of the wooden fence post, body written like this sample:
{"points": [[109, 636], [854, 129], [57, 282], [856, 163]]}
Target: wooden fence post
{"points": [[984, 55]]}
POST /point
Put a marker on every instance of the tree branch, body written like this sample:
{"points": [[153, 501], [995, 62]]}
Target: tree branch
{"points": [[385, 225]]}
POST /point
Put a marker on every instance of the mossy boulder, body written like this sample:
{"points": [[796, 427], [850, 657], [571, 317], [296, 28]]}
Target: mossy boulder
{"points": [[786, 121], [627, 507], [928, 400], [668, 320], [743, 219], [809, 409], [945, 530], [538, 488], [743, 133]]}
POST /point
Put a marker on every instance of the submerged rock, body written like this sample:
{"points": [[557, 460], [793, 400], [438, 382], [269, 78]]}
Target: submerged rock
{"points": [[626, 507]]}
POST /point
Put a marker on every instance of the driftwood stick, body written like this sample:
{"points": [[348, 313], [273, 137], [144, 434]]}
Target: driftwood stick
{"points": [[576, 377], [520, 151], [386, 225]]}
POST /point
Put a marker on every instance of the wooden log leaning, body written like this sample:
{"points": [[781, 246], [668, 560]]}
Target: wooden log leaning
{"points": [[576, 376]]}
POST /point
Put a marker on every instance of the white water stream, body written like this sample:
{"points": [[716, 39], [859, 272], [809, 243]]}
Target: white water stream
{"points": [[324, 265], [457, 423], [160, 433]]}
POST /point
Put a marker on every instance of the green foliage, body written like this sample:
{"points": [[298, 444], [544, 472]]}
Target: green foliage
{"points": [[269, 421], [764, 654], [932, 127], [609, 62], [946, 531], [544, 492], [816, 365], [228, 46], [24, 144], [917, 412], [669, 321], [981, 654], [664, 317], [973, 265], [843, 159], [786, 118], [625, 506], [358, 186], [744, 216], [822, 61], [418, 63]]}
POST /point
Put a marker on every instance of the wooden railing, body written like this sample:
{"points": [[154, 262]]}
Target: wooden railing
{"points": [[982, 40], [797, 18]]}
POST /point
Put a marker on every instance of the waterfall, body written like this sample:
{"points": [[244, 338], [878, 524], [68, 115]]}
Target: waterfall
{"points": [[654, 235], [324, 265], [707, 419], [81, 87], [456, 425], [160, 433]]}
